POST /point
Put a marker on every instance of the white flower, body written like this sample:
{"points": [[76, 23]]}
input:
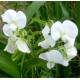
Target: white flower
{"points": [[66, 31], [52, 57], [71, 52], [49, 41], [14, 19], [15, 43]]}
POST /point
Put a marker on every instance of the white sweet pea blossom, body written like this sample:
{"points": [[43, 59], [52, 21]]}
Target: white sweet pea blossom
{"points": [[66, 31], [52, 57], [71, 52], [49, 41], [15, 43], [14, 19]]}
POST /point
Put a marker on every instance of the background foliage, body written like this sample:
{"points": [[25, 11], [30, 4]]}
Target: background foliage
{"points": [[38, 13]]}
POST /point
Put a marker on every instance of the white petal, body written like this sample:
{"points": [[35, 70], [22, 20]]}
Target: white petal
{"points": [[70, 43], [45, 31], [55, 56], [7, 30], [21, 19], [65, 62], [56, 30], [70, 28], [44, 44], [45, 56], [72, 52], [22, 46], [67, 45], [50, 40], [9, 16], [65, 38], [50, 65], [13, 27], [11, 46]]}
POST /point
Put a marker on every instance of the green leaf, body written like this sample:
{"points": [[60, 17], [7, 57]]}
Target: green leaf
{"points": [[78, 19], [37, 20], [33, 62], [77, 45], [32, 9], [8, 66], [64, 11]]}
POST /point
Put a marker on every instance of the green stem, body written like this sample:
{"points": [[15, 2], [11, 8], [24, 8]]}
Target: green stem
{"points": [[50, 72], [39, 51], [17, 57], [32, 72], [22, 62], [57, 71]]}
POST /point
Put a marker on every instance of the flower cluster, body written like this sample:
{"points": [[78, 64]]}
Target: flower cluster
{"points": [[14, 21], [60, 39]]}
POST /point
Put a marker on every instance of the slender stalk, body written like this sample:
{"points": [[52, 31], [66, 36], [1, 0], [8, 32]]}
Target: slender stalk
{"points": [[32, 72], [22, 62], [57, 71]]}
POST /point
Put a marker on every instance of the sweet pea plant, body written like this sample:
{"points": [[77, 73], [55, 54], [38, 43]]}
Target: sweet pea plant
{"points": [[39, 39], [57, 41]]}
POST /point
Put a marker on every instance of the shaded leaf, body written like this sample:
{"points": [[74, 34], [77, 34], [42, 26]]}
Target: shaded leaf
{"points": [[64, 11], [33, 8], [8, 66]]}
